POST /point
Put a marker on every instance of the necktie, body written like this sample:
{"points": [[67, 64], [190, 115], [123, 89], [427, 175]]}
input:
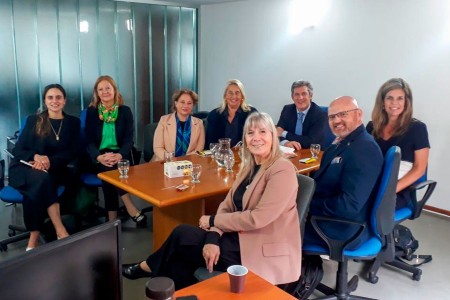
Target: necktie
{"points": [[299, 125]]}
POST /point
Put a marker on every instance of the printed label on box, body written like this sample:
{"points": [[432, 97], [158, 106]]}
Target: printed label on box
{"points": [[177, 168]]}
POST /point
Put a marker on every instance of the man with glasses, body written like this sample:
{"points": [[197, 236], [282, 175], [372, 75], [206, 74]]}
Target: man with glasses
{"points": [[302, 123], [349, 169]]}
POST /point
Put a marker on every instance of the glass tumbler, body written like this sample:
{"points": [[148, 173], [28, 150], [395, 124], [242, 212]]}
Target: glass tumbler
{"points": [[123, 165]]}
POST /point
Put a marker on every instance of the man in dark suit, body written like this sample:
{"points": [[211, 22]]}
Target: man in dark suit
{"points": [[302, 123], [348, 172]]}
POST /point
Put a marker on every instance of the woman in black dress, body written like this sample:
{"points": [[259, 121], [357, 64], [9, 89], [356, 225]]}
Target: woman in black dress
{"points": [[49, 141]]}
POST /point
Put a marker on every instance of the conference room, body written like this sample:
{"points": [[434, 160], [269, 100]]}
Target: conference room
{"points": [[152, 48]]}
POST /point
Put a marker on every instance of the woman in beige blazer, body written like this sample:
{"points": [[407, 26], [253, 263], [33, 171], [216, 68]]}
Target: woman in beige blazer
{"points": [[256, 225], [179, 132]]}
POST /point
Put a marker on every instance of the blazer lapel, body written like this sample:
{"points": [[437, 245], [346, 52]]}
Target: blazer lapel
{"points": [[194, 134], [251, 188], [172, 131], [335, 150]]}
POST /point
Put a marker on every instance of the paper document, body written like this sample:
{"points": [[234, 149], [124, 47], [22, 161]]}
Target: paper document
{"points": [[287, 149], [405, 167]]}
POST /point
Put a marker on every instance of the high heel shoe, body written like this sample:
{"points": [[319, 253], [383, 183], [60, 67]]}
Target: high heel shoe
{"points": [[134, 271], [140, 219]]}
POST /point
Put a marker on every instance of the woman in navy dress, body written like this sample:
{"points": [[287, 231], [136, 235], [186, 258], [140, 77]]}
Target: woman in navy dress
{"points": [[393, 125], [49, 142], [227, 121]]}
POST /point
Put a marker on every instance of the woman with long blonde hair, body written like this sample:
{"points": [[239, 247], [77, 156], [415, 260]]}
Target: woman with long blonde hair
{"points": [[227, 121]]}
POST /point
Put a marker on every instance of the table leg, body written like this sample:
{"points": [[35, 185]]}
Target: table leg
{"points": [[165, 219]]}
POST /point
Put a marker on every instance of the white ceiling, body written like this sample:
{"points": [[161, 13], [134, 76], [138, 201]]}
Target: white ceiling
{"points": [[185, 3]]}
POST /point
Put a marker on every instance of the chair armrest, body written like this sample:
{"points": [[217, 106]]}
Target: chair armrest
{"points": [[8, 153], [417, 205], [335, 246]]}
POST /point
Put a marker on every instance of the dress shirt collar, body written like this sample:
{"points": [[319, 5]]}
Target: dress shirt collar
{"points": [[305, 112]]}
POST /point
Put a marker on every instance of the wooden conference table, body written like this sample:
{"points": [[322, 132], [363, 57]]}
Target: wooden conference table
{"points": [[218, 287], [172, 207]]}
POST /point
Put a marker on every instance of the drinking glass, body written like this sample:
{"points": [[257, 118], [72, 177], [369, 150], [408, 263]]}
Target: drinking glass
{"points": [[196, 172], [213, 148], [229, 163], [123, 165], [315, 149], [168, 156]]}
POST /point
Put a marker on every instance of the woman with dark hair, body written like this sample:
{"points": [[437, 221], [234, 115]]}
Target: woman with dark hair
{"points": [[393, 125], [257, 224], [109, 133], [49, 141], [179, 132], [227, 121]]}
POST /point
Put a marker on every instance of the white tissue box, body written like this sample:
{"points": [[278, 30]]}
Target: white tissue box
{"points": [[177, 168]]}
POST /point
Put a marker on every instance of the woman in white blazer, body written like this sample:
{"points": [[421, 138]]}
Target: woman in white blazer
{"points": [[179, 132], [257, 224]]}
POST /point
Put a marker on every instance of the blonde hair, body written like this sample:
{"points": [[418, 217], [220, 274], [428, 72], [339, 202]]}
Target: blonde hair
{"points": [[248, 161], [379, 115], [235, 82], [96, 98]]}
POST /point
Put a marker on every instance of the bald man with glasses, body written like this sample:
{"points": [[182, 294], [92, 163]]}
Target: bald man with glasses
{"points": [[348, 172]]}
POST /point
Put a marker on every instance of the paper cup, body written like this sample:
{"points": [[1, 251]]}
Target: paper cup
{"points": [[237, 274]]}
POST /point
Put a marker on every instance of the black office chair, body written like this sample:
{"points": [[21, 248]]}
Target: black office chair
{"points": [[412, 211], [149, 135], [381, 224], [306, 188], [203, 114]]}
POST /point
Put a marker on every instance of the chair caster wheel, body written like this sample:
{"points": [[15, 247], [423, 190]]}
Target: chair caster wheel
{"points": [[3, 247], [11, 233], [373, 278], [417, 276]]}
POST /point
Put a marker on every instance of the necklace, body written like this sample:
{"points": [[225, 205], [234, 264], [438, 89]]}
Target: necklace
{"points": [[59, 129]]}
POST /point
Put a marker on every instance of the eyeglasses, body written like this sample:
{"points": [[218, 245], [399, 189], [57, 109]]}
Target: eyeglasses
{"points": [[341, 114]]}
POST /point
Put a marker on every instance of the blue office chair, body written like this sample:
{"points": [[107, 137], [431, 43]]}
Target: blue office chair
{"points": [[91, 180], [381, 224], [12, 197], [330, 136], [412, 211]]}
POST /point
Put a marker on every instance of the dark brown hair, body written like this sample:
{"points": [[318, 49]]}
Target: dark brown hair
{"points": [[177, 94], [42, 123]]}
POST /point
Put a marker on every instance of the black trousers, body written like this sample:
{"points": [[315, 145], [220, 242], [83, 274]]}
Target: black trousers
{"points": [[110, 192], [181, 254], [39, 190]]}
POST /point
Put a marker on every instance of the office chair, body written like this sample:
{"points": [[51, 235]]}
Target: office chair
{"points": [[330, 137], [203, 114], [91, 180], [381, 224], [412, 211], [149, 135], [306, 188], [12, 197]]}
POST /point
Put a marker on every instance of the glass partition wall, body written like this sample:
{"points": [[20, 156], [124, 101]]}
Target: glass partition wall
{"points": [[150, 51]]}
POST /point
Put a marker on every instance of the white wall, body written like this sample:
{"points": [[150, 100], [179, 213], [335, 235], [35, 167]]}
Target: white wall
{"points": [[357, 46]]}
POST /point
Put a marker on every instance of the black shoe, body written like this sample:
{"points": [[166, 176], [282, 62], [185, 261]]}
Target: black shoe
{"points": [[140, 220], [134, 271]]}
